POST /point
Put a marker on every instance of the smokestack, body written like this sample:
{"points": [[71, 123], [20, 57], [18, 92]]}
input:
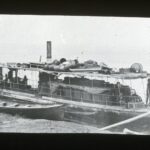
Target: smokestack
{"points": [[49, 55]]}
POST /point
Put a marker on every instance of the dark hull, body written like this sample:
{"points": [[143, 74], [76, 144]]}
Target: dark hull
{"points": [[50, 113], [102, 118], [30, 109]]}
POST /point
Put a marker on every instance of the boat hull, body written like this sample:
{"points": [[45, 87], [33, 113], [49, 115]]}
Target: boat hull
{"points": [[50, 113], [102, 117], [82, 113], [30, 107]]}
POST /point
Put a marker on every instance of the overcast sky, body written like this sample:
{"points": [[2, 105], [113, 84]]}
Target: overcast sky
{"points": [[114, 40]]}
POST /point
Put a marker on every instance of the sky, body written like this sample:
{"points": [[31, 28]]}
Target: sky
{"points": [[116, 41]]}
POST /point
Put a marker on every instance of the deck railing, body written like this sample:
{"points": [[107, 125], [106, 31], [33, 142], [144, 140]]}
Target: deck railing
{"points": [[125, 101]]}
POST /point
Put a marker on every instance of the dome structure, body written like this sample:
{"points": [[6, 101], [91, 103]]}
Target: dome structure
{"points": [[136, 67]]}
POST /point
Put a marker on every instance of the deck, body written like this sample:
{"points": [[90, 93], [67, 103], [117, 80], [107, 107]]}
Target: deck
{"points": [[51, 100]]}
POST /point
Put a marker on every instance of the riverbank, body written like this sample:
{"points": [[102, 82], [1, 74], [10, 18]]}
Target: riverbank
{"points": [[17, 124]]}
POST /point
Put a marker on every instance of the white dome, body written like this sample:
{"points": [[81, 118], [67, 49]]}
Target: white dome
{"points": [[137, 67]]}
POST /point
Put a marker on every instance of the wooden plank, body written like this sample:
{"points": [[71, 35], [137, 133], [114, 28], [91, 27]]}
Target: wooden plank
{"points": [[91, 105], [125, 121], [23, 96]]}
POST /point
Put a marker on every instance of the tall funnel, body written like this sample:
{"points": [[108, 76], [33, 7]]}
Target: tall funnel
{"points": [[49, 55]]}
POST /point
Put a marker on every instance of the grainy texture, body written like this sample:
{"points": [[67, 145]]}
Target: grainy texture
{"points": [[18, 124]]}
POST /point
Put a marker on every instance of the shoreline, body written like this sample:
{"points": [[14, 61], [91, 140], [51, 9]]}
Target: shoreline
{"points": [[18, 124]]}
